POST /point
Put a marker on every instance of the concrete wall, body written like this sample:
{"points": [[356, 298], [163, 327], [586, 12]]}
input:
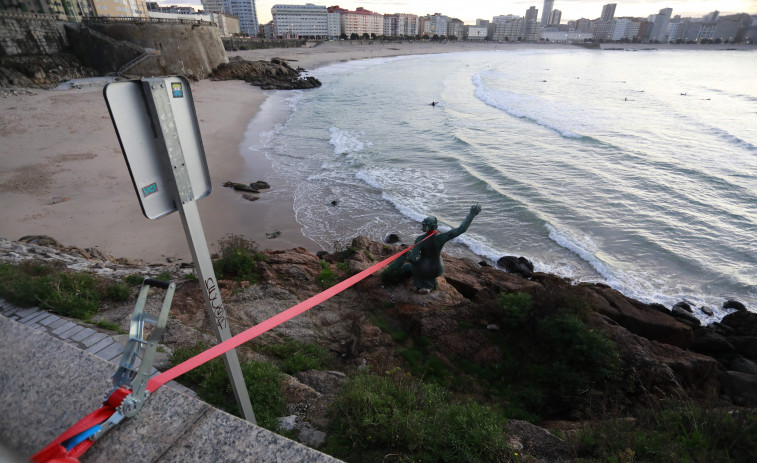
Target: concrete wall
{"points": [[98, 51], [245, 43], [30, 34], [159, 47], [192, 49]]}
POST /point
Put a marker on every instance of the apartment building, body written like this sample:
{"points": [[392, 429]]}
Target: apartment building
{"points": [[307, 20], [245, 11], [400, 25], [361, 21]]}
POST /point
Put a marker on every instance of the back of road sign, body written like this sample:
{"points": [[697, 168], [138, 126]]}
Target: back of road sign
{"points": [[157, 128]]}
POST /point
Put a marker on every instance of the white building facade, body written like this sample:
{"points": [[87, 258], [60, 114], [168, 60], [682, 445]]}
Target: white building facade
{"points": [[245, 11], [309, 20], [476, 33]]}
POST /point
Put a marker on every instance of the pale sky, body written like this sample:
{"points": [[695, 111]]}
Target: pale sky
{"points": [[469, 11]]}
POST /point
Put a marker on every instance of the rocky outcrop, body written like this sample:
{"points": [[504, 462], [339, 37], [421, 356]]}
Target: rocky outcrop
{"points": [[268, 75], [43, 71], [519, 265], [639, 318], [663, 368], [536, 442], [663, 357], [733, 342]]}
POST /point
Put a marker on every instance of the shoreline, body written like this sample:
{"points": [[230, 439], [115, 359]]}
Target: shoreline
{"points": [[62, 172]]}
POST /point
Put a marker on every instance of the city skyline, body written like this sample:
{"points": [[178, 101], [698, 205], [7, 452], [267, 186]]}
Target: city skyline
{"points": [[486, 9]]}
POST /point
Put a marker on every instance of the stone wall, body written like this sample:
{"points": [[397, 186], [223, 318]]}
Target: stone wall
{"points": [[98, 51], [131, 47], [31, 34], [188, 48], [251, 43]]}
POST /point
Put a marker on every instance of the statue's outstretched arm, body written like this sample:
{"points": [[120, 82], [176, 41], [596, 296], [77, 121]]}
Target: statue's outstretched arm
{"points": [[455, 232]]}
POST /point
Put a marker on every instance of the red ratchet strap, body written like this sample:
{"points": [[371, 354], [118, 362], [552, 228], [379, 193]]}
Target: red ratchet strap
{"points": [[271, 323], [57, 451]]}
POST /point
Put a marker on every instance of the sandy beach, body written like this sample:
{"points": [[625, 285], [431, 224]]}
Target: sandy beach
{"points": [[62, 172]]}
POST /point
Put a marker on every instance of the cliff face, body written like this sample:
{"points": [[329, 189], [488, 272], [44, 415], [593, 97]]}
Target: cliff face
{"points": [[458, 322], [665, 353]]}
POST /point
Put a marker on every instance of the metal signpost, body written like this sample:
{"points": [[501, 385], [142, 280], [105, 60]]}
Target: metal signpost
{"points": [[159, 135]]}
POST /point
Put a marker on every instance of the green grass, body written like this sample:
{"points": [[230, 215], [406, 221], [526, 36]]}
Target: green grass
{"points": [[295, 356], [391, 328], [118, 292], [674, 431], [553, 364], [375, 416], [106, 325], [134, 279], [71, 294], [76, 295], [326, 279], [212, 385], [238, 259]]}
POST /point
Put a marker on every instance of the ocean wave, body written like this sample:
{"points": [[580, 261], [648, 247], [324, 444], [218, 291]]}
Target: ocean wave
{"points": [[588, 251], [346, 141], [527, 107], [733, 139]]}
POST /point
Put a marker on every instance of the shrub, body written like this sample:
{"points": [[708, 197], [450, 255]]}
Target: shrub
{"points": [[238, 259], [326, 279], [299, 356], [211, 383], [378, 415], [70, 294], [676, 431], [392, 329], [134, 279], [165, 275], [19, 287], [552, 362], [118, 292]]}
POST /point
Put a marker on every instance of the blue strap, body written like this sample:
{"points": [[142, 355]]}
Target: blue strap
{"points": [[79, 438]]}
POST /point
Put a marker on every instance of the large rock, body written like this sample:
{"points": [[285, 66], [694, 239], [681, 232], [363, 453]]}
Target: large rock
{"points": [[640, 318], [536, 442], [709, 342], [664, 368], [742, 323], [685, 316], [740, 388], [732, 304], [273, 75], [325, 382], [470, 279], [519, 265]]}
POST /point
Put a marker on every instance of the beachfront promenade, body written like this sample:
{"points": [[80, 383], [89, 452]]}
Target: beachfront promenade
{"points": [[54, 371]]}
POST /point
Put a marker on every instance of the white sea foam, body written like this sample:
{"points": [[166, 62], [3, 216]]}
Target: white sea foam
{"points": [[346, 141], [408, 172]]}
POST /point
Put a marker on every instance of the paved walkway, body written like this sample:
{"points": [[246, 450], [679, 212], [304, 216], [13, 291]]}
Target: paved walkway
{"points": [[74, 332]]}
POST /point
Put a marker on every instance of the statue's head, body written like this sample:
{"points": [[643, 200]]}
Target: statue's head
{"points": [[429, 224]]}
